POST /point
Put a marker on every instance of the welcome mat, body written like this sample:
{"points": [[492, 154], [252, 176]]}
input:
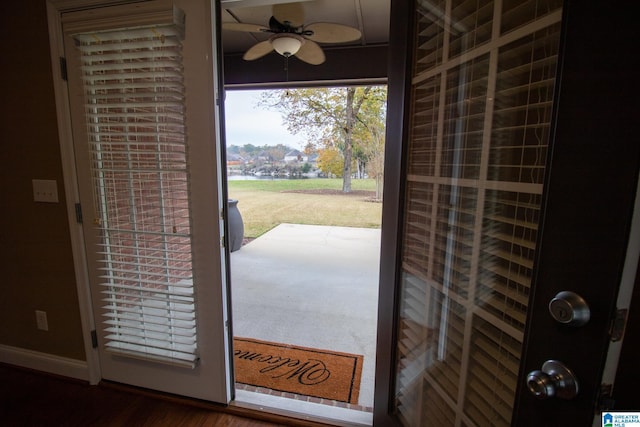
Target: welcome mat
{"points": [[307, 371]]}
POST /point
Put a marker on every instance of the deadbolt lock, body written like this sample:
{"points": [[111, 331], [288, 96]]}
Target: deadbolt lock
{"points": [[570, 309]]}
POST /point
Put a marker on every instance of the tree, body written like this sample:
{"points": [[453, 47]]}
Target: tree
{"points": [[277, 152], [330, 117], [373, 152], [330, 161], [370, 137], [250, 150], [310, 149]]}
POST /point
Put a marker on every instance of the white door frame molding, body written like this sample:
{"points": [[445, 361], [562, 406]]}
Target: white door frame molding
{"points": [[72, 196]]}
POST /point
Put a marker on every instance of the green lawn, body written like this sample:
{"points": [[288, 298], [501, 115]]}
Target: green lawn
{"points": [[267, 203]]}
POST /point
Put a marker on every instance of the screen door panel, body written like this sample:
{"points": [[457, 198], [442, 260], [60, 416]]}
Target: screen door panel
{"points": [[481, 103]]}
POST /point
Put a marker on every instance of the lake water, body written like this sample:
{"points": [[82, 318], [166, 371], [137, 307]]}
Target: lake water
{"points": [[264, 177]]}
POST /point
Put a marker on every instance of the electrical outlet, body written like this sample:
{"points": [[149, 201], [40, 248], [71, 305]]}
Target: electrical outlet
{"points": [[41, 320], [45, 190]]}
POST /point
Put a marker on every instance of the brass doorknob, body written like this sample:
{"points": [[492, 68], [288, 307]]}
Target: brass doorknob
{"points": [[553, 380]]}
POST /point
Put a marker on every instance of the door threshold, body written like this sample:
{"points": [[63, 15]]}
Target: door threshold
{"points": [[308, 411]]}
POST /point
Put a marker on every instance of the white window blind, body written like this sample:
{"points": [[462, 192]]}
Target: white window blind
{"points": [[135, 121]]}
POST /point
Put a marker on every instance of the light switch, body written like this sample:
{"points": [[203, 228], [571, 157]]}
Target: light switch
{"points": [[45, 190]]}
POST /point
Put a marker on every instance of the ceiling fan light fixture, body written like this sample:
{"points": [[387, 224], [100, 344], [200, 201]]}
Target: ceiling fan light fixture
{"points": [[286, 44]]}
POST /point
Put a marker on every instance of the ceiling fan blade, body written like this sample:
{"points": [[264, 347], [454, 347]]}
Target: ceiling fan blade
{"points": [[258, 51], [291, 13], [325, 32], [311, 53], [249, 28]]}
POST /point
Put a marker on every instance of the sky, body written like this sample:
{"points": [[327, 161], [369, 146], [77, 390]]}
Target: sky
{"points": [[247, 124]]}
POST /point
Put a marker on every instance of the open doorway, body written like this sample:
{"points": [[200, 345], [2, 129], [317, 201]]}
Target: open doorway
{"points": [[304, 281]]}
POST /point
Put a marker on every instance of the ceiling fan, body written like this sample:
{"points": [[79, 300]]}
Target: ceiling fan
{"points": [[291, 37]]}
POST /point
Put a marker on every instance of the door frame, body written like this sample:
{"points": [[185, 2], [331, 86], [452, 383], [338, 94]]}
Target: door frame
{"points": [[578, 25], [398, 83], [55, 8]]}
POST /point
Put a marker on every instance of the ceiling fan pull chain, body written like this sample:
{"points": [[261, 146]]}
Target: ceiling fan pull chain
{"points": [[286, 68]]}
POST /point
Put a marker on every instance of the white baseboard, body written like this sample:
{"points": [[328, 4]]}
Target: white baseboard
{"points": [[44, 362]]}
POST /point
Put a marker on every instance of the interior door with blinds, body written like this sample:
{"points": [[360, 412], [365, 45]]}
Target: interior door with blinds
{"points": [[141, 80], [481, 99]]}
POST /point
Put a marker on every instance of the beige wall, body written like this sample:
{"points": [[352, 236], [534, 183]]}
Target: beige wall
{"points": [[37, 263]]}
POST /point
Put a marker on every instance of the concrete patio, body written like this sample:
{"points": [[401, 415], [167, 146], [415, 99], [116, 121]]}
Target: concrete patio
{"points": [[311, 286]]}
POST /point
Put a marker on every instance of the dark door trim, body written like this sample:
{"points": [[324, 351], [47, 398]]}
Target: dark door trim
{"points": [[588, 204], [625, 393], [400, 45]]}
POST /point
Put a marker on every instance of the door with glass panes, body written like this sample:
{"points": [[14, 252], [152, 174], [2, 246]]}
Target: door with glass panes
{"points": [[509, 141], [140, 91]]}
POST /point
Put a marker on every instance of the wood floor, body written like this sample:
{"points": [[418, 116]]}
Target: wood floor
{"points": [[29, 398]]}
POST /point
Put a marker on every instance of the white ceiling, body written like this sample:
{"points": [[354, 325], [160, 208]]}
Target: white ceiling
{"points": [[371, 17]]}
